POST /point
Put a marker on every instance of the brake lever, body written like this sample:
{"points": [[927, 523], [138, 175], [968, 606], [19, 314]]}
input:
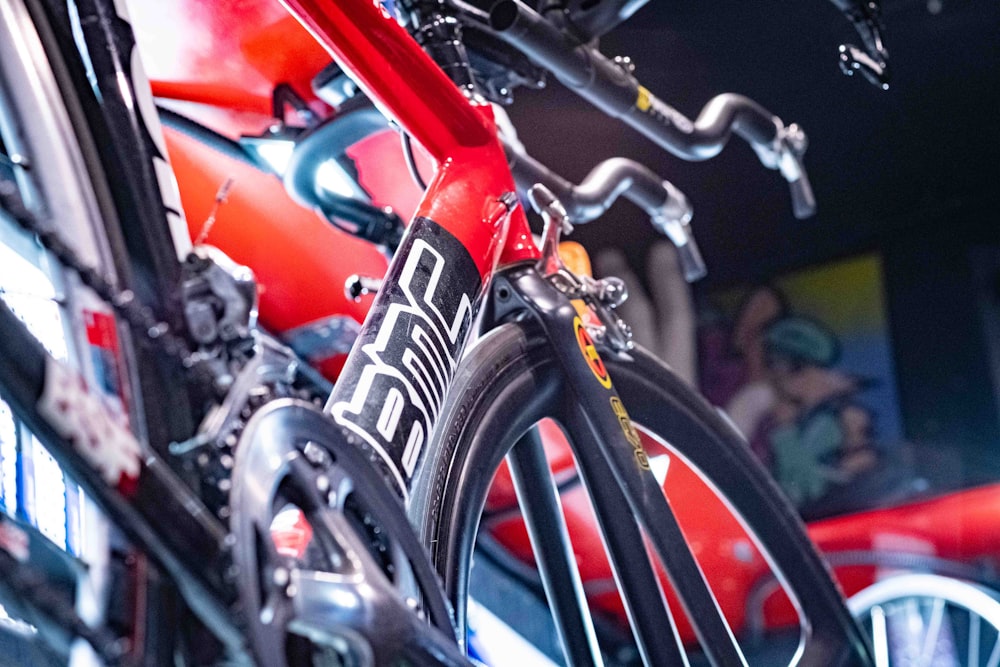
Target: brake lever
{"points": [[873, 60], [674, 220], [785, 155]]}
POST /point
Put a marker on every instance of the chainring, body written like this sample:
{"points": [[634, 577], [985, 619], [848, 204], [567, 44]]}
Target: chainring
{"points": [[328, 569]]}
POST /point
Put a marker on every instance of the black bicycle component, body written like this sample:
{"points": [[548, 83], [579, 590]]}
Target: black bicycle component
{"points": [[109, 43], [592, 18], [357, 286], [605, 440], [602, 296], [375, 224], [333, 86], [617, 177], [231, 149], [284, 97], [192, 551], [378, 225], [327, 141], [511, 380], [411, 161], [330, 141], [426, 310], [139, 317], [115, 136], [873, 60], [653, 628], [610, 87], [345, 592], [539, 500], [440, 35], [498, 68]]}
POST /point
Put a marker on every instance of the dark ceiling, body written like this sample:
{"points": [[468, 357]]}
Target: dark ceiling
{"points": [[922, 156]]}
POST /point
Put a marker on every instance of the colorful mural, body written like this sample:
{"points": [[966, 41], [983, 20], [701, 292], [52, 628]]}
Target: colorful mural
{"points": [[803, 367]]}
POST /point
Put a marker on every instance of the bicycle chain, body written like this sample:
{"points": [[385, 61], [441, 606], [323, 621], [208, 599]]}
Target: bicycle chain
{"points": [[123, 302]]}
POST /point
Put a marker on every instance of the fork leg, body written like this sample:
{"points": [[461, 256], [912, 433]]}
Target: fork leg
{"points": [[539, 501], [615, 468]]}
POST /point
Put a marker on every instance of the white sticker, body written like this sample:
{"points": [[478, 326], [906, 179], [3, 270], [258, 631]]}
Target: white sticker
{"points": [[81, 417]]}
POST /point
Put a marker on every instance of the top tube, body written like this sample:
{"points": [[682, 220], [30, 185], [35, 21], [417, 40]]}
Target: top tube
{"points": [[460, 134], [392, 69]]}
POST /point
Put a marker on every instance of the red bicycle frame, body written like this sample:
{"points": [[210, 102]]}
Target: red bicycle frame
{"points": [[395, 381], [460, 134]]}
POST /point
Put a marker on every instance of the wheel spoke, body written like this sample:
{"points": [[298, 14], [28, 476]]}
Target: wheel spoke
{"points": [[994, 654], [975, 625], [933, 633], [539, 500], [880, 637], [926, 612]]}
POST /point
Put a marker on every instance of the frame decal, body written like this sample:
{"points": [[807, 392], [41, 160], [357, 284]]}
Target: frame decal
{"points": [[81, 417], [630, 433], [590, 355], [393, 400]]}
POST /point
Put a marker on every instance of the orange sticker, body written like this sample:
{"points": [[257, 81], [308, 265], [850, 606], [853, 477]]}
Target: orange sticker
{"points": [[575, 257], [589, 351]]}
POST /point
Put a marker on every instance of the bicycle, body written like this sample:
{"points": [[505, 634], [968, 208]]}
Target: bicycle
{"points": [[67, 147], [192, 322]]}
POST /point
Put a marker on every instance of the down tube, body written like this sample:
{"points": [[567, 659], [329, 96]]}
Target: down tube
{"points": [[392, 388]]}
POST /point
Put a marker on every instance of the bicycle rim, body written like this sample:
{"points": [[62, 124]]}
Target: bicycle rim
{"points": [[929, 619], [508, 383]]}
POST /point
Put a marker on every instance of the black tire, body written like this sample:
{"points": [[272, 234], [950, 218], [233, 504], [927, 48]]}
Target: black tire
{"points": [[508, 382]]}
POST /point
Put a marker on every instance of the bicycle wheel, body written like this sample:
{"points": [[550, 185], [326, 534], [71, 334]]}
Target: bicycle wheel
{"points": [[61, 158], [56, 163], [508, 382], [928, 619]]}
